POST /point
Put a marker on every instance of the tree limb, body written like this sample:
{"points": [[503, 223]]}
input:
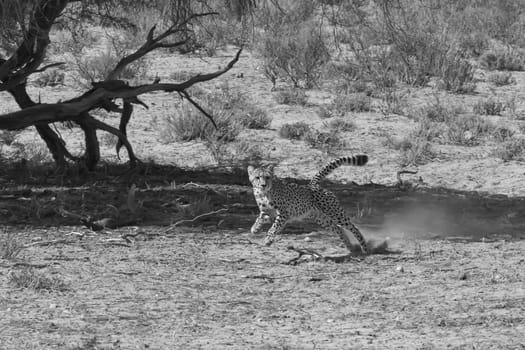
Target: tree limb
{"points": [[73, 109]]}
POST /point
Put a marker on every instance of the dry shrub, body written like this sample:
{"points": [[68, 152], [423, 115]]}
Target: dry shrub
{"points": [[29, 278], [10, 247], [340, 125], [489, 106], [292, 96], [501, 78], [415, 150], [232, 112], [296, 53], [354, 102], [468, 130], [326, 141], [294, 131], [52, 77], [511, 149], [190, 124], [456, 74], [508, 59]]}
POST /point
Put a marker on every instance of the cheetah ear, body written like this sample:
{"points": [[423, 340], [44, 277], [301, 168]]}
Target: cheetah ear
{"points": [[250, 170], [270, 168]]}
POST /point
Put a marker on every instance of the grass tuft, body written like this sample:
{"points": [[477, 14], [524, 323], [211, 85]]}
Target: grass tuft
{"points": [[10, 247], [294, 131], [29, 278]]}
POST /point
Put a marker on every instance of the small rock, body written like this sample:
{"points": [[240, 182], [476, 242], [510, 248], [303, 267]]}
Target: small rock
{"points": [[462, 276], [307, 239], [400, 268]]}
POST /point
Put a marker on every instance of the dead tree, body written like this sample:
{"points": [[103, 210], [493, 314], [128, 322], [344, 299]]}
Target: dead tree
{"points": [[27, 25]]}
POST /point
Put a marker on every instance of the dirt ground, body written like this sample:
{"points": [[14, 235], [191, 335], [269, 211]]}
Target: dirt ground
{"points": [[455, 278], [449, 282], [221, 289]]}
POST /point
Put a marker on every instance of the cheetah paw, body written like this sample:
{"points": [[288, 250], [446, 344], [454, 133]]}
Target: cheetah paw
{"points": [[268, 241]]}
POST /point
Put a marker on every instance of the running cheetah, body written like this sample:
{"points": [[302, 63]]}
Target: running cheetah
{"points": [[300, 201]]}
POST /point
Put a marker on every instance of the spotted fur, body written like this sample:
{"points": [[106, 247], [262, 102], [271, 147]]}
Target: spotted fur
{"points": [[288, 201]]}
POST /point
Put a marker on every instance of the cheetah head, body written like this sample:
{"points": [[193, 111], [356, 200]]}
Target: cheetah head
{"points": [[261, 177]]}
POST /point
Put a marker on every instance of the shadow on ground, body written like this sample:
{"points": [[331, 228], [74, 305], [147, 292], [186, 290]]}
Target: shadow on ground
{"points": [[165, 195]]}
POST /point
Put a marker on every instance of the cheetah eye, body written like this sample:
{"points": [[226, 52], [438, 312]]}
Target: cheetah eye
{"points": [[257, 177]]}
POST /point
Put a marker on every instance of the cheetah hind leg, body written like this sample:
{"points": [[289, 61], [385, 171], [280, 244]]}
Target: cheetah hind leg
{"points": [[331, 226]]}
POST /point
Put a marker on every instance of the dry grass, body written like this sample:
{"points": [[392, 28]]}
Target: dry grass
{"points": [[291, 96], [217, 289], [39, 281], [10, 246], [294, 131]]}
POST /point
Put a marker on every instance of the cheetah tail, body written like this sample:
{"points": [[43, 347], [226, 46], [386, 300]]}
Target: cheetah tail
{"points": [[359, 160]]}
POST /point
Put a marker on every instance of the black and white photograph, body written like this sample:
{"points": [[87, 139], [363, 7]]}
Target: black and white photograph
{"points": [[262, 174]]}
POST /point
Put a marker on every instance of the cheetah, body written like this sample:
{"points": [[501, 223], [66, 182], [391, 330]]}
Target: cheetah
{"points": [[301, 201]]}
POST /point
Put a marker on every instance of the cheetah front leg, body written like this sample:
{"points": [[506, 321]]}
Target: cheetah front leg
{"points": [[262, 219], [277, 227]]}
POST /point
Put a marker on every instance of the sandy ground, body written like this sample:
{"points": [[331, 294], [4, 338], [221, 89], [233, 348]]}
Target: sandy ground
{"points": [[214, 286], [221, 289]]}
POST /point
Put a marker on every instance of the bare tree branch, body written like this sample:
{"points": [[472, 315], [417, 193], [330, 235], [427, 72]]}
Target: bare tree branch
{"points": [[153, 43], [95, 98]]}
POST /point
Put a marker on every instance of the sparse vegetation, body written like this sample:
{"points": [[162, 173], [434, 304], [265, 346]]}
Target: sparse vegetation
{"points": [[512, 148], [293, 96], [489, 106], [469, 130], [510, 59], [325, 141], [456, 74], [340, 125], [31, 279], [52, 77], [355, 102], [501, 78], [295, 52], [10, 246], [415, 150], [294, 131]]}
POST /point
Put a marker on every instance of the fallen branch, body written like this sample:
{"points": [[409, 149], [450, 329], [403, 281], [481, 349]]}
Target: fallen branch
{"points": [[48, 243], [180, 222], [24, 264], [319, 256], [400, 182]]}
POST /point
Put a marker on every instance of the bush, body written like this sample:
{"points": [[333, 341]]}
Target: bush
{"points": [[501, 78], [10, 247], [232, 112], [456, 74], [489, 107], [295, 53], [437, 111], [340, 125], [323, 140], [356, 102], [52, 77], [511, 59], [254, 118], [468, 130], [28, 278], [8, 136], [294, 131], [293, 96], [190, 124], [97, 67], [414, 150], [512, 149]]}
